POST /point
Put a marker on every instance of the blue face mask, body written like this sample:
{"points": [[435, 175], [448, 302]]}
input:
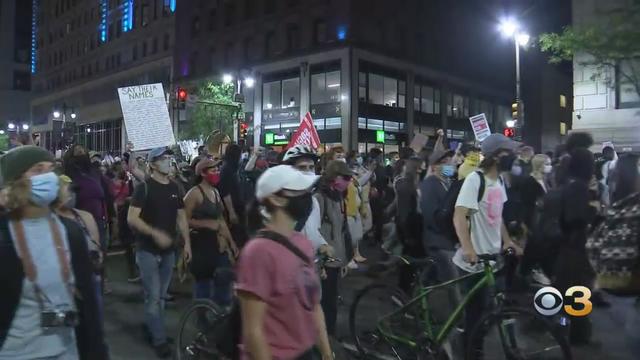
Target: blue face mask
{"points": [[44, 188], [448, 170]]}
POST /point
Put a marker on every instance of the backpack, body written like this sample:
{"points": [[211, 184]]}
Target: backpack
{"points": [[549, 220], [444, 215], [613, 247], [228, 334]]}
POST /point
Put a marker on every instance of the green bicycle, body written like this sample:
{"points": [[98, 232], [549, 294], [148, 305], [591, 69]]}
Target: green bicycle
{"points": [[385, 324]]}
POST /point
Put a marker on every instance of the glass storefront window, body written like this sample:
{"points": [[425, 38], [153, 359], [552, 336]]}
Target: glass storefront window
{"points": [[362, 86], [427, 100], [376, 89], [333, 123], [436, 101], [416, 98], [374, 124], [325, 88], [290, 93], [391, 126], [319, 124], [271, 95], [458, 106], [390, 92], [362, 123], [402, 94]]}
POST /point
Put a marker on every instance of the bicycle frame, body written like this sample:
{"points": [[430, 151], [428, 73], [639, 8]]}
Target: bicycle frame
{"points": [[487, 280]]}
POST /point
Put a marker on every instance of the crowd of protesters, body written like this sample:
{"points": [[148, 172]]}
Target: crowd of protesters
{"points": [[232, 212]]}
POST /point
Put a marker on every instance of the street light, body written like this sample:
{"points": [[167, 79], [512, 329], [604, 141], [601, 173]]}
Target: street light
{"points": [[25, 127], [11, 126], [510, 28], [511, 123], [56, 114], [227, 78], [249, 82], [1, 132], [73, 115]]}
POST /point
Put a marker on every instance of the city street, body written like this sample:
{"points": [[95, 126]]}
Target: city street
{"points": [[124, 316]]}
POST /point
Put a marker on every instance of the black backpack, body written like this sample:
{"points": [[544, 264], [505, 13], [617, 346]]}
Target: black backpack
{"points": [[229, 334], [444, 215]]}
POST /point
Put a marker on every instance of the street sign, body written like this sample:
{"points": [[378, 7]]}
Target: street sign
{"points": [[380, 136], [268, 138]]}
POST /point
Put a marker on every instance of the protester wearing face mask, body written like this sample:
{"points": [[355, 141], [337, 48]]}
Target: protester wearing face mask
{"points": [[534, 187], [211, 243], [331, 197], [157, 213], [277, 283], [433, 190], [45, 268]]}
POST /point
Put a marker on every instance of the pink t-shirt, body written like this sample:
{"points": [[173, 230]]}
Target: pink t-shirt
{"points": [[288, 286]]}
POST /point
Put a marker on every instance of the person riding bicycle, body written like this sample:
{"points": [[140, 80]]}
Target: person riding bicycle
{"points": [[277, 283], [479, 224]]}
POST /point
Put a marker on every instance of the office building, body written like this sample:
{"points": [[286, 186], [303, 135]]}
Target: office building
{"points": [[84, 50]]}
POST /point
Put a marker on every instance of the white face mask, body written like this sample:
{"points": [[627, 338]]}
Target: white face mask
{"points": [[547, 169]]}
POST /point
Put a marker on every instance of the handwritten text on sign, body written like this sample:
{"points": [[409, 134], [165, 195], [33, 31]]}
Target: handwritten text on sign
{"points": [[146, 116]]}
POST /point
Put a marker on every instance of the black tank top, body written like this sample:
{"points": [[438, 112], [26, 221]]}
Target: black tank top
{"points": [[208, 210]]}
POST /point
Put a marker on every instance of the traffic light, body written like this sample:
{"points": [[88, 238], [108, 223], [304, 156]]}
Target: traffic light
{"points": [[509, 132], [244, 129], [181, 98], [514, 110]]}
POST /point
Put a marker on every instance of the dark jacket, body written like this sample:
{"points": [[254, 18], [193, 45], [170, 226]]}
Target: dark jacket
{"points": [[89, 333], [432, 199]]}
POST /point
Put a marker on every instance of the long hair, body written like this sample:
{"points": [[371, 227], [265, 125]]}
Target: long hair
{"points": [[18, 195], [537, 165], [232, 155], [625, 177]]}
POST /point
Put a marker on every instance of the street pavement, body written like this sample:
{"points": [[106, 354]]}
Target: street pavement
{"points": [[616, 330]]}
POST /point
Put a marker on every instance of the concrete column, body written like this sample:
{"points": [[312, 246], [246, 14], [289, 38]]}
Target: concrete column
{"points": [[257, 111], [349, 102], [305, 91], [411, 80]]}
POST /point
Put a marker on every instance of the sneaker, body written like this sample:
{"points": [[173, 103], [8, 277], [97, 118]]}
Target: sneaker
{"points": [[352, 265], [133, 279], [539, 277], [163, 351]]}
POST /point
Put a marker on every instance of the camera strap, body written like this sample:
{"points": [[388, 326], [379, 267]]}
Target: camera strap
{"points": [[30, 269]]}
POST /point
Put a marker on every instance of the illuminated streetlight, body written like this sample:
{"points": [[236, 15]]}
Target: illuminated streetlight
{"points": [[522, 39], [11, 126], [511, 123], [56, 114], [73, 115], [1, 132], [88, 130], [508, 27], [227, 78], [25, 126], [249, 82]]}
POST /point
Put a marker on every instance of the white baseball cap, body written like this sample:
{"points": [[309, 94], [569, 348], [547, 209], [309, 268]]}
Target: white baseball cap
{"points": [[283, 177]]}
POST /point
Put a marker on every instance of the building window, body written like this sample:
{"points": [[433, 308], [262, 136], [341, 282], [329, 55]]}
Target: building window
{"points": [[144, 10], [426, 99], [293, 37], [333, 123], [270, 43], [290, 93], [563, 101], [195, 26], [627, 95], [325, 88], [271, 93], [386, 91], [362, 86], [319, 31], [21, 80]]}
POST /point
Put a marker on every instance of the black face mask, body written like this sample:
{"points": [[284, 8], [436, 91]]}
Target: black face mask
{"points": [[505, 163], [299, 208]]}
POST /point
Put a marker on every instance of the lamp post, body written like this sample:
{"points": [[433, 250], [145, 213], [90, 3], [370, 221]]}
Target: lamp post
{"points": [[58, 113], [511, 29], [238, 97], [67, 128]]}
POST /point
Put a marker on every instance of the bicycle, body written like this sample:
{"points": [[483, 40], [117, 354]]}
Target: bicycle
{"points": [[386, 325], [204, 326]]}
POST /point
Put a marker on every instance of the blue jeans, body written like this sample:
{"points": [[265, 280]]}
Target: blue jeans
{"points": [[220, 284], [155, 273]]}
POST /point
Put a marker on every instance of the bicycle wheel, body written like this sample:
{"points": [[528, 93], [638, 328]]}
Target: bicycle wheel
{"points": [[197, 331], [370, 317], [516, 334]]}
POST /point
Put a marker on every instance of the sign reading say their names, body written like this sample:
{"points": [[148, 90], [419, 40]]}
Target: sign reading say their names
{"points": [[146, 116], [480, 126]]}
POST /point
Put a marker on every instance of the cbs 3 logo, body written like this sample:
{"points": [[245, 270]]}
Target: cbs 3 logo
{"points": [[548, 301]]}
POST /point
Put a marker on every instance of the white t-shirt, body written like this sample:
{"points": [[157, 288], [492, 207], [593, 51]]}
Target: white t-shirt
{"points": [[485, 217]]}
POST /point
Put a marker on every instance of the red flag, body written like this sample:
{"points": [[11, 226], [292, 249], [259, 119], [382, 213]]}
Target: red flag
{"points": [[306, 134]]}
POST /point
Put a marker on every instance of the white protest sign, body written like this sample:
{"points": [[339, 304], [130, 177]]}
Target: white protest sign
{"points": [[480, 126], [146, 116]]}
